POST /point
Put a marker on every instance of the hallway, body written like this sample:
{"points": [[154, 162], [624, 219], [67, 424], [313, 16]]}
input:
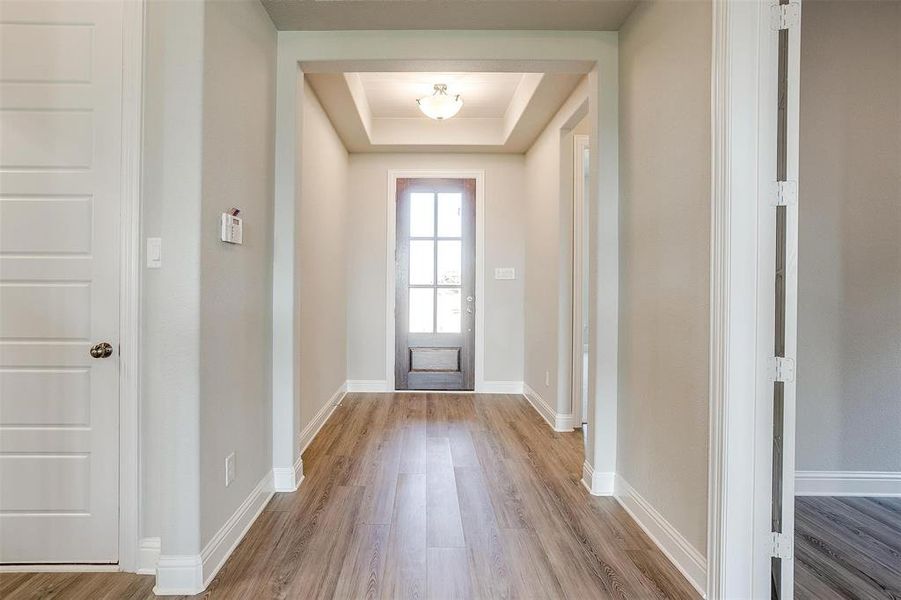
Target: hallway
{"points": [[429, 496]]}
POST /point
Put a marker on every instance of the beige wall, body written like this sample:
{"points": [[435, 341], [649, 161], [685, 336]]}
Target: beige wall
{"points": [[548, 233], [236, 284], [322, 221], [665, 51], [504, 198], [849, 270]]}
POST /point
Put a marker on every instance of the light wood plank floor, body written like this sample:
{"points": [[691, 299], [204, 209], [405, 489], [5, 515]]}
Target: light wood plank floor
{"points": [[426, 496], [847, 548]]}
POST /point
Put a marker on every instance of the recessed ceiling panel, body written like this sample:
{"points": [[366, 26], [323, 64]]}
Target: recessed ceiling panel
{"points": [[393, 95]]}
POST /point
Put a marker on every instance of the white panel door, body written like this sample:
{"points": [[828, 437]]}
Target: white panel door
{"points": [[60, 162]]}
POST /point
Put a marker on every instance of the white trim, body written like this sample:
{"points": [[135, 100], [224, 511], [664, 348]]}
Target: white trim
{"points": [[558, 422], [579, 271], [309, 432], [59, 568], [367, 385], [393, 176], [191, 574], [130, 287], [288, 479], [743, 143], [500, 387], [684, 556], [848, 483], [148, 556], [221, 546], [597, 484], [179, 575]]}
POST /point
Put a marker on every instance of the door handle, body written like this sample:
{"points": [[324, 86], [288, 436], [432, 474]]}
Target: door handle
{"points": [[102, 350]]}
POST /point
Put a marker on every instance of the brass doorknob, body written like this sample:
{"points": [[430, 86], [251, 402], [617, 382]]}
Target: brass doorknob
{"points": [[102, 350]]}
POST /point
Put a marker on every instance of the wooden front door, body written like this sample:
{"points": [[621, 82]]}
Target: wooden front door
{"points": [[435, 285]]}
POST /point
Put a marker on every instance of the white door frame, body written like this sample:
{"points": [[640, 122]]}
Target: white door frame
{"points": [[579, 271], [130, 287], [744, 131], [393, 176]]}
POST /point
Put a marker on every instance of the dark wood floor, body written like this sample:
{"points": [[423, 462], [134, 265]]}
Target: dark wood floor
{"points": [[426, 496], [847, 548]]}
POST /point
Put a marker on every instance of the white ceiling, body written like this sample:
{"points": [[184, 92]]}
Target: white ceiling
{"points": [[574, 15], [502, 111], [485, 95]]}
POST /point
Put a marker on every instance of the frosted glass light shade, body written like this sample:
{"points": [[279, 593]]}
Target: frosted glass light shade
{"points": [[439, 105]]}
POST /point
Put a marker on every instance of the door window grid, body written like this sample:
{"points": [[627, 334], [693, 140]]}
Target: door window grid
{"points": [[437, 232]]}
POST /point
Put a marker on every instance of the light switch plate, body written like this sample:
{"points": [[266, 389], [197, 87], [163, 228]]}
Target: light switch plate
{"points": [[154, 253], [504, 273]]}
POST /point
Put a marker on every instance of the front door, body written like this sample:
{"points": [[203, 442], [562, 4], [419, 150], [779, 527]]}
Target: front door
{"points": [[435, 286], [60, 156]]}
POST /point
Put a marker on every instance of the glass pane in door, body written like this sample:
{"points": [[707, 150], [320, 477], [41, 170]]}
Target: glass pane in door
{"points": [[422, 215], [422, 262], [450, 259], [450, 221], [449, 310], [422, 305]]}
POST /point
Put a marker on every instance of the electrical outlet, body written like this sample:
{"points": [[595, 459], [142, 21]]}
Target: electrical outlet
{"points": [[229, 469], [547, 379]]}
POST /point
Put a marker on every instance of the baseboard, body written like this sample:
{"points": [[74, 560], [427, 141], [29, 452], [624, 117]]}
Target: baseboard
{"points": [[232, 532], [848, 483], [558, 422], [287, 479], [368, 385], [499, 387], [684, 556], [187, 575], [148, 555], [598, 483], [180, 575], [309, 432]]}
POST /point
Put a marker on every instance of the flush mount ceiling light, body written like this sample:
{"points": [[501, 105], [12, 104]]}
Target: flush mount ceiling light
{"points": [[439, 105]]}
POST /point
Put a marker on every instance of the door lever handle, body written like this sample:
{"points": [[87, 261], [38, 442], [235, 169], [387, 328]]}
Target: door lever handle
{"points": [[102, 350]]}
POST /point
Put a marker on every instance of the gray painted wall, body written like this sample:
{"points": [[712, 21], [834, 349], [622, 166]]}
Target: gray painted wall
{"points": [[322, 261], [504, 247], [208, 146], [548, 234], [849, 270], [171, 195], [236, 281], [665, 52]]}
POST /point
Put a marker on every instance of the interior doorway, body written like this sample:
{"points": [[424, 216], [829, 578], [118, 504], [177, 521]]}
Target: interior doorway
{"points": [[581, 287], [435, 284]]}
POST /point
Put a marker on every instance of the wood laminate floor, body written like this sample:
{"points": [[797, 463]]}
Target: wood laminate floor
{"points": [[847, 548], [426, 496]]}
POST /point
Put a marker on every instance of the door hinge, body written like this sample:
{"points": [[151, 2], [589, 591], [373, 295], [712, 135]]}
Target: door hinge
{"points": [[785, 193], [785, 16], [783, 369], [782, 545]]}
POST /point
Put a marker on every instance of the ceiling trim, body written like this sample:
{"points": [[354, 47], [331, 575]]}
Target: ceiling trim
{"points": [[534, 102]]}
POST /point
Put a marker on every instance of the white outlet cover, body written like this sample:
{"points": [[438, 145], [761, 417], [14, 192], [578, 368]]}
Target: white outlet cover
{"points": [[229, 469]]}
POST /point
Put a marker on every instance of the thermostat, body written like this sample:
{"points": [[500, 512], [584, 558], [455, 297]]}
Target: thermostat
{"points": [[232, 230]]}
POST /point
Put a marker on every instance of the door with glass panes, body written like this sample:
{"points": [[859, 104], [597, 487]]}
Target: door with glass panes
{"points": [[435, 284]]}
